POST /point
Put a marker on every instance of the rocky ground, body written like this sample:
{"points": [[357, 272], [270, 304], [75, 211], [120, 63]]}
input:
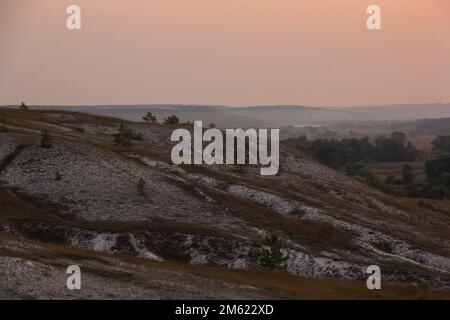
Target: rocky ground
{"points": [[81, 194]]}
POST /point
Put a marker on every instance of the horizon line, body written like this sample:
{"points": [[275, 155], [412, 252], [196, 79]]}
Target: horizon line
{"points": [[229, 106]]}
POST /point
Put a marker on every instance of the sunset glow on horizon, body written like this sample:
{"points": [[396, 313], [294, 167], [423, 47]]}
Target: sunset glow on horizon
{"points": [[233, 52]]}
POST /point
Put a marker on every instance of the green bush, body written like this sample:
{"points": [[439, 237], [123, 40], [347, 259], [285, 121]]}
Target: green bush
{"points": [[141, 186], [360, 179], [424, 285], [58, 176], [46, 140], [126, 134], [149, 117], [272, 257], [172, 119]]}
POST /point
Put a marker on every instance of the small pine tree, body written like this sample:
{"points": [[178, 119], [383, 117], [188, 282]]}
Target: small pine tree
{"points": [[272, 257], [424, 285], [125, 134], [23, 106], [141, 186], [172, 119], [46, 140], [121, 138], [360, 179], [424, 290], [58, 176], [149, 117]]}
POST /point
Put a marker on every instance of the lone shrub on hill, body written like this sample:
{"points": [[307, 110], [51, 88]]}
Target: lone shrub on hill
{"points": [[360, 179], [23, 106], [125, 134], [121, 137], [149, 117], [272, 257], [58, 176], [46, 140], [141, 186], [173, 119]]}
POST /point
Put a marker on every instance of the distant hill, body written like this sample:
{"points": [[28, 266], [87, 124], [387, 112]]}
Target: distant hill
{"points": [[217, 114], [223, 116], [268, 116], [401, 112], [284, 115]]}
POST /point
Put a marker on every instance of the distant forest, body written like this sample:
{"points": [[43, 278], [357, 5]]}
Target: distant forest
{"points": [[351, 155]]}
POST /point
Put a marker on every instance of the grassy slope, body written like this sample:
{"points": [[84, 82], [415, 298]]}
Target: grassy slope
{"points": [[15, 207]]}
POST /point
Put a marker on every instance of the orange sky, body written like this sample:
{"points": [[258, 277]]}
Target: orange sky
{"points": [[233, 52]]}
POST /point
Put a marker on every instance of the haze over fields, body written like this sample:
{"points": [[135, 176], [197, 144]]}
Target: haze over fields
{"points": [[272, 116]]}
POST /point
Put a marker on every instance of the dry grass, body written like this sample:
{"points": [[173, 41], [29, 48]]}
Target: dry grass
{"points": [[67, 117], [15, 207], [279, 284], [303, 231]]}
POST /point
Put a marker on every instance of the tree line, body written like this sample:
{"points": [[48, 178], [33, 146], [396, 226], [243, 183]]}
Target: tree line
{"points": [[351, 155], [347, 153]]}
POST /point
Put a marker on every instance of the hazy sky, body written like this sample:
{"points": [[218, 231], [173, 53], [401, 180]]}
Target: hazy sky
{"points": [[233, 52]]}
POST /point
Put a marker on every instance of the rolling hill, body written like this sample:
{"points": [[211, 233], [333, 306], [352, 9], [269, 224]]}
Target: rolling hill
{"points": [[268, 116], [195, 231]]}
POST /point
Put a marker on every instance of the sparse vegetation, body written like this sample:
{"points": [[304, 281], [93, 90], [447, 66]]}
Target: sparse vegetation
{"points": [[46, 140], [58, 176], [49, 234], [121, 139], [171, 120], [23, 106], [125, 135], [141, 186], [149, 117], [424, 285], [424, 290], [360, 179], [272, 257]]}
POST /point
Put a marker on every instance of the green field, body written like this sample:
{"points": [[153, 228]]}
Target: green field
{"points": [[385, 169]]}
